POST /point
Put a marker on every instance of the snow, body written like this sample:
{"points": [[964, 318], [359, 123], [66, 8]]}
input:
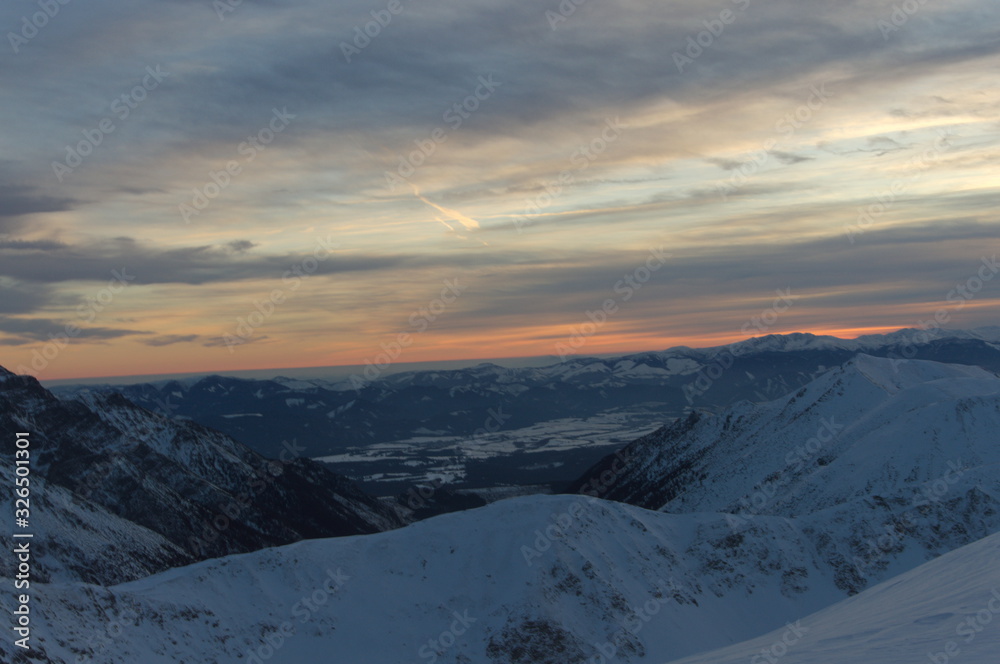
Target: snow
{"points": [[896, 375], [295, 384], [655, 587], [604, 560], [764, 520], [945, 610], [799, 341], [861, 419]]}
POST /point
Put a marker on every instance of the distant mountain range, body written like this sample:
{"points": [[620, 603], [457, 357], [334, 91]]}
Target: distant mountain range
{"points": [[489, 424]]}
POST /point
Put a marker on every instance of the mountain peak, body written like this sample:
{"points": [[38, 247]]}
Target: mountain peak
{"points": [[895, 375], [785, 342]]}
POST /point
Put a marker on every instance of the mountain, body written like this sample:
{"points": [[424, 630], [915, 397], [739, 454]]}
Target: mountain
{"points": [[120, 492], [488, 425], [534, 579], [554, 579], [837, 521], [939, 612], [888, 461]]}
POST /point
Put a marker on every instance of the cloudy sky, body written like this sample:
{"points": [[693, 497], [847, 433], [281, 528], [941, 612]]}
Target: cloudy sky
{"points": [[189, 185]]}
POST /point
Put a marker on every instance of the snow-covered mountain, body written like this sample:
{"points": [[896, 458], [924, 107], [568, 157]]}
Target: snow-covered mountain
{"points": [[801, 519], [120, 492], [535, 579], [538, 579], [517, 425], [887, 462], [942, 611]]}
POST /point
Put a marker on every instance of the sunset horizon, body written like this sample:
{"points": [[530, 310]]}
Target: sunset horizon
{"points": [[388, 331], [405, 361], [275, 187]]}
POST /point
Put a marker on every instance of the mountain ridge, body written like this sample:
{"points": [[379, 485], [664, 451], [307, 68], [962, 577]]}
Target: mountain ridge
{"points": [[490, 421], [174, 492]]}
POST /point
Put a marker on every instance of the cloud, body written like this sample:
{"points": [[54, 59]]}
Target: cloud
{"points": [[240, 246], [325, 175], [790, 157], [43, 329], [95, 261], [19, 298], [725, 164], [31, 245], [220, 342], [170, 339], [23, 201]]}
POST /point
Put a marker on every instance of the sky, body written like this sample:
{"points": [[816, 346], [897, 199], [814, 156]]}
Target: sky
{"points": [[199, 185]]}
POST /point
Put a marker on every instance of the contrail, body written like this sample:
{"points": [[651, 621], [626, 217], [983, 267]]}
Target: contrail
{"points": [[468, 222]]}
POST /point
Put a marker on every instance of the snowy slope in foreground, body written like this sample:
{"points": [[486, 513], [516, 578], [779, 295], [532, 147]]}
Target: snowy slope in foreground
{"points": [[653, 586], [635, 585], [945, 610]]}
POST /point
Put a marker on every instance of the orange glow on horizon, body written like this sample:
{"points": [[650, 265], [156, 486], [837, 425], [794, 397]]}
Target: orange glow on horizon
{"points": [[520, 345]]}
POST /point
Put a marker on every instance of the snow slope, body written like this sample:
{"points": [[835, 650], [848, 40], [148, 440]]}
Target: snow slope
{"points": [[863, 429], [945, 610], [635, 585], [654, 586], [902, 468], [891, 462]]}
